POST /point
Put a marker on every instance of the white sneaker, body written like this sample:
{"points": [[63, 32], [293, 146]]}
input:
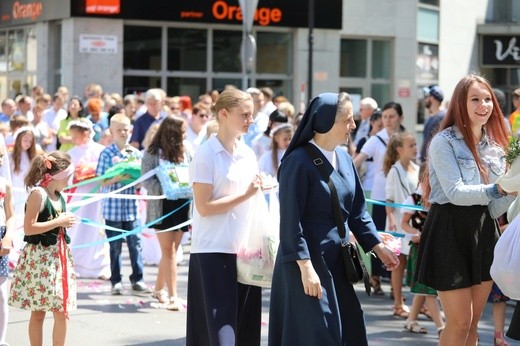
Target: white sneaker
{"points": [[117, 289]]}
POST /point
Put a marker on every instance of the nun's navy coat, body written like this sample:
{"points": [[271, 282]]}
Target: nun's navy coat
{"points": [[308, 230]]}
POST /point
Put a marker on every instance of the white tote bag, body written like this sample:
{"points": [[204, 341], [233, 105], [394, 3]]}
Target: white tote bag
{"points": [[506, 262]]}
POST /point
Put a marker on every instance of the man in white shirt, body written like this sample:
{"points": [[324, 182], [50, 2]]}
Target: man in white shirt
{"points": [[367, 106]]}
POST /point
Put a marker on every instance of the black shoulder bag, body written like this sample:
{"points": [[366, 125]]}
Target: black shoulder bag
{"points": [[354, 266]]}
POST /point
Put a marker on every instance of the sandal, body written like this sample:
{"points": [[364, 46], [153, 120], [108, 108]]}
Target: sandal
{"points": [[500, 340], [402, 311], [176, 304], [161, 296], [424, 311], [375, 282], [440, 330], [414, 327]]}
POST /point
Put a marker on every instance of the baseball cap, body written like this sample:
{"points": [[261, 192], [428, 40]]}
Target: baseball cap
{"points": [[435, 92]]}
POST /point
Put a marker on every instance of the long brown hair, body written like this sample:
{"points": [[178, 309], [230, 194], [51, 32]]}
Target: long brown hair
{"points": [[38, 168], [457, 114], [391, 154], [169, 140], [285, 128], [17, 149]]}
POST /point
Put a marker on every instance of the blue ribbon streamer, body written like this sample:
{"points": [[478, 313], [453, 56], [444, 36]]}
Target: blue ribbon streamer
{"points": [[396, 205], [124, 233]]}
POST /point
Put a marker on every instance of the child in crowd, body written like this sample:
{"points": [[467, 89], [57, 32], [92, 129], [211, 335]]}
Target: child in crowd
{"points": [[91, 261], [17, 121], [42, 133], [402, 177], [121, 213], [498, 299], [44, 278], [412, 223], [262, 142], [167, 147], [24, 151], [6, 230], [270, 160]]}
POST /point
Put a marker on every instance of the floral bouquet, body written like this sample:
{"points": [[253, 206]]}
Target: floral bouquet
{"points": [[85, 171], [510, 182], [174, 181], [130, 166]]}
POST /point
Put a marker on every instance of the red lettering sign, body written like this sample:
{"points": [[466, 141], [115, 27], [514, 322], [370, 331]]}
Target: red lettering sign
{"points": [[103, 6], [30, 10], [264, 16]]}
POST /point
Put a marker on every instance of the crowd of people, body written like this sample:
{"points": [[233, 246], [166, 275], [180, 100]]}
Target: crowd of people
{"points": [[58, 156]]}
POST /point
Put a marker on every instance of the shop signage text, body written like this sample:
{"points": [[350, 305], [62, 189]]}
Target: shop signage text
{"points": [[21, 11], [286, 13], [264, 16], [501, 50], [103, 6]]}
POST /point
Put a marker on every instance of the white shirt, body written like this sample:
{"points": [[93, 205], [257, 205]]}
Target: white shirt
{"points": [[376, 150], [260, 144], [195, 138], [265, 163], [228, 174], [53, 118]]}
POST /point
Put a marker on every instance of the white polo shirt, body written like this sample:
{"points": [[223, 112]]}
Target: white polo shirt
{"points": [[376, 150], [229, 174]]}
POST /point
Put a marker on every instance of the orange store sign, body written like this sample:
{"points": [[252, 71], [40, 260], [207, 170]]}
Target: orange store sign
{"points": [[264, 16], [103, 6], [31, 10]]}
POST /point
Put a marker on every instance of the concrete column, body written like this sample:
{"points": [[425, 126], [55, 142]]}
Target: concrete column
{"points": [[79, 69]]}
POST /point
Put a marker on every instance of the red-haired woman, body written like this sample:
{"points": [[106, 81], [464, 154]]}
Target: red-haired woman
{"points": [[456, 250]]}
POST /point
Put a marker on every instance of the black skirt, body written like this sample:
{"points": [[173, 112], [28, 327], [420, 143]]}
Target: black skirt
{"points": [[180, 216], [456, 248]]}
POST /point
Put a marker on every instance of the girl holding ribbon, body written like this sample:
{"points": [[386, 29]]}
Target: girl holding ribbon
{"points": [[44, 278]]}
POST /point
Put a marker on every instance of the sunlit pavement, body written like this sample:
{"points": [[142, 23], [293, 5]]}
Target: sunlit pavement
{"points": [[137, 319]]}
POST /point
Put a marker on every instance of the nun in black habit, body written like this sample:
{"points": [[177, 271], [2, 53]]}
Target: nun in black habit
{"points": [[312, 303]]}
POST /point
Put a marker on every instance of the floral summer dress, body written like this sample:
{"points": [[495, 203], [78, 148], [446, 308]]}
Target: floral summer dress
{"points": [[4, 260], [44, 278]]}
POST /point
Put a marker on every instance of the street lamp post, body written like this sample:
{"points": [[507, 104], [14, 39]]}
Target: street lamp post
{"points": [[311, 42], [248, 51]]}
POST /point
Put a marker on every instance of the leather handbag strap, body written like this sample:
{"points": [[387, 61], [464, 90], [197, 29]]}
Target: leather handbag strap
{"points": [[319, 163]]}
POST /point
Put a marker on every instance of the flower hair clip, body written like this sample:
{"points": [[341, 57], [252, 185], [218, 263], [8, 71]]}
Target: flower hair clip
{"points": [[48, 160]]}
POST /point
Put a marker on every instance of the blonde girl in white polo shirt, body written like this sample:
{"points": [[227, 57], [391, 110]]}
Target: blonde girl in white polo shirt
{"points": [[224, 176]]}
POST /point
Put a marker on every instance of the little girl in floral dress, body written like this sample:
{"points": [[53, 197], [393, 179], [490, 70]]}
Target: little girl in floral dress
{"points": [[44, 278]]}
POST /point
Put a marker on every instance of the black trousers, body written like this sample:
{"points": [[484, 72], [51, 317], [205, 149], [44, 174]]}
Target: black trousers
{"points": [[514, 326], [221, 311]]}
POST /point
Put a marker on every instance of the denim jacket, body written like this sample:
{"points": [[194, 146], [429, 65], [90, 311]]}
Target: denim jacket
{"points": [[454, 175]]}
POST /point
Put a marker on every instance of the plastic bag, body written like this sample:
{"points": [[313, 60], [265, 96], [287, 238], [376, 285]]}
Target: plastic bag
{"points": [[513, 210], [506, 262], [174, 180], [257, 249]]}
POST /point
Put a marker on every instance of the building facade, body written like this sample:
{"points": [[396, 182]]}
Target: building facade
{"points": [[388, 50]]}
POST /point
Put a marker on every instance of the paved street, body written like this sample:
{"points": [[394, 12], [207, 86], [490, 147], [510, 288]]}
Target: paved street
{"points": [[103, 319]]}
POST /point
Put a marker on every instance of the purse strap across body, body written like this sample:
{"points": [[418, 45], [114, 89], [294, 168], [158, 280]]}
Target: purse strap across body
{"points": [[318, 162]]}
